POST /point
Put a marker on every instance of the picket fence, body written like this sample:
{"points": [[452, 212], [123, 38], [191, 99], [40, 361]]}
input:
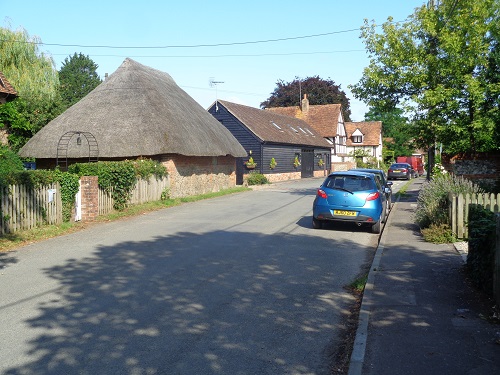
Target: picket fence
{"points": [[23, 208], [459, 210], [149, 190]]}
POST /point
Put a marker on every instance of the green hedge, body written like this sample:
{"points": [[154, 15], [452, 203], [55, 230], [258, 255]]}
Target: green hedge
{"points": [[482, 242], [119, 178]]}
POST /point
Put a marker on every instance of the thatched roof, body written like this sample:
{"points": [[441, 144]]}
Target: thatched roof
{"points": [[274, 127], [137, 111]]}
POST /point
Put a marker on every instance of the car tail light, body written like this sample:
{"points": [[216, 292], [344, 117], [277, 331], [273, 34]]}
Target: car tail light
{"points": [[389, 171], [373, 196], [405, 170], [321, 194]]}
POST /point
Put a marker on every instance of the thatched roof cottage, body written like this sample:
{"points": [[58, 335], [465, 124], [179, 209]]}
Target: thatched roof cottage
{"points": [[141, 112]]}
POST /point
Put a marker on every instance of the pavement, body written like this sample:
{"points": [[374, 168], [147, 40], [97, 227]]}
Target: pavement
{"points": [[419, 314]]}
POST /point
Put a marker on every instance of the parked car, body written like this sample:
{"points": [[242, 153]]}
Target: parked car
{"points": [[350, 196], [401, 170], [387, 185], [415, 161]]}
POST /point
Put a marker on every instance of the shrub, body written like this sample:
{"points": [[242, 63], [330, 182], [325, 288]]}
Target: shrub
{"points": [[438, 233], [9, 162], [119, 178], [257, 179], [432, 202], [116, 178], [482, 242]]}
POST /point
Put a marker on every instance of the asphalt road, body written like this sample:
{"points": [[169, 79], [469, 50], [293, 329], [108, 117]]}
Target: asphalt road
{"points": [[234, 285]]}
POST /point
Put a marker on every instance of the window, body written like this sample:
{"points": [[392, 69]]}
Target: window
{"points": [[357, 136], [275, 125]]}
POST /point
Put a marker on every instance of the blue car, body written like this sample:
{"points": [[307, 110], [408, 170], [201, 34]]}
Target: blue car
{"points": [[350, 196], [387, 185]]}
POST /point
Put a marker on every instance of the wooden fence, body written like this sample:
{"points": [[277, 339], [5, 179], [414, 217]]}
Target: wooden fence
{"points": [[459, 210], [24, 208], [145, 191]]}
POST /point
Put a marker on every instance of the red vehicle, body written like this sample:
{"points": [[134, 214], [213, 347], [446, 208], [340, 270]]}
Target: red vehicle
{"points": [[415, 161]]}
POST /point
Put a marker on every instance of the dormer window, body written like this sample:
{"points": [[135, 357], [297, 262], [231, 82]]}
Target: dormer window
{"points": [[357, 136]]}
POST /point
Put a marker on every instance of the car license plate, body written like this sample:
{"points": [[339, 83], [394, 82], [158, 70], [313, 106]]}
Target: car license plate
{"points": [[344, 213], [397, 171]]}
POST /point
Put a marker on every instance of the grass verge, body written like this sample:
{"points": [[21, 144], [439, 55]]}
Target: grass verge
{"points": [[21, 238], [402, 191], [358, 285]]}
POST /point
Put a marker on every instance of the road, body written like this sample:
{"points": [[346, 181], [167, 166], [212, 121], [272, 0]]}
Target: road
{"points": [[234, 285]]}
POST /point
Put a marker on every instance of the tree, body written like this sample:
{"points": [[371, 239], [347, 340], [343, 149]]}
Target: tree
{"points": [[35, 79], [434, 66], [319, 91], [78, 76], [30, 71]]}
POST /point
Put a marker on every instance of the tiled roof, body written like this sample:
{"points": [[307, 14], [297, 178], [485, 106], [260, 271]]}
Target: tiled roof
{"points": [[5, 86], [323, 118], [371, 132], [274, 127]]}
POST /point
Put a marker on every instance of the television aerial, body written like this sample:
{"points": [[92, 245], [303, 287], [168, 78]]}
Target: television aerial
{"points": [[213, 83]]}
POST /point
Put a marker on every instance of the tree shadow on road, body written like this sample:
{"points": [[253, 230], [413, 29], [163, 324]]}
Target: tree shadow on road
{"points": [[257, 304]]}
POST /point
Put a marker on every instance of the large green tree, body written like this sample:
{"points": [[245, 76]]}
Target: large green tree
{"points": [[319, 91], [435, 66], [30, 71], [34, 77], [78, 76]]}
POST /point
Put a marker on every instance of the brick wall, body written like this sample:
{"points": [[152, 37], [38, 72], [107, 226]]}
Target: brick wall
{"points": [[89, 198]]}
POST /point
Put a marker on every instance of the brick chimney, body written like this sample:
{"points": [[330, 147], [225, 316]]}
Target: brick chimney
{"points": [[305, 105]]}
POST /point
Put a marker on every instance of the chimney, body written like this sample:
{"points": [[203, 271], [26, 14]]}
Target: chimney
{"points": [[105, 76], [305, 104]]}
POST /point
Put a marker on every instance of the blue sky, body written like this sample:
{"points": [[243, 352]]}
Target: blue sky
{"points": [[232, 42]]}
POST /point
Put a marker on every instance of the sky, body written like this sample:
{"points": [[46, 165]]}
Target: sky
{"points": [[229, 50]]}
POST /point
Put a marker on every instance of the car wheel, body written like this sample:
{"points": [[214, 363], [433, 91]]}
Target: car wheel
{"points": [[317, 224], [376, 227], [386, 213]]}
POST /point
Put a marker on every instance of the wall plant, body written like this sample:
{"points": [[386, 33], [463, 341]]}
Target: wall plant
{"points": [[119, 178]]}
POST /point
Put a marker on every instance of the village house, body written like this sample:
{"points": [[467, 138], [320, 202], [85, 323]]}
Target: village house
{"points": [[327, 120], [281, 147], [365, 139], [140, 112], [7, 94]]}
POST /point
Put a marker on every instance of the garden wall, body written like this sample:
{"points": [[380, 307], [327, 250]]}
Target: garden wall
{"points": [[193, 175], [482, 168]]}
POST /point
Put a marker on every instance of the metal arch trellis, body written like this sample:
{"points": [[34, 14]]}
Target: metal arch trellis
{"points": [[62, 147]]}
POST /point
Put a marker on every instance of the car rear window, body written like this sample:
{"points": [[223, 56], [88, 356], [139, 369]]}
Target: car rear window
{"points": [[351, 183], [399, 166]]}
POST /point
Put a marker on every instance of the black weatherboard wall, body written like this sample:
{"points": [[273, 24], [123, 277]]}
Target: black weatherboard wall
{"points": [[263, 150]]}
